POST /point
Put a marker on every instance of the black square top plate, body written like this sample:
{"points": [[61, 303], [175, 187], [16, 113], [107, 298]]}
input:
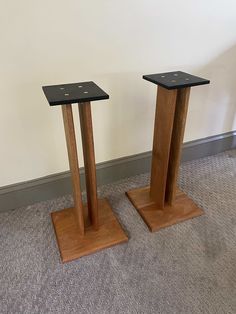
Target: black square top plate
{"points": [[175, 80], [73, 93]]}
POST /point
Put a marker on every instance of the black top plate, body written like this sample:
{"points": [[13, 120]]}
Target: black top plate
{"points": [[175, 80], [73, 93]]}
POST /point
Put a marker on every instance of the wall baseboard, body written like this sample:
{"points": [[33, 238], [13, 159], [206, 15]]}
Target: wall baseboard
{"points": [[56, 185]]}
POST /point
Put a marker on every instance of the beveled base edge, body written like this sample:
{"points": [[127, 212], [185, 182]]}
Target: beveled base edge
{"points": [[155, 218], [73, 246]]}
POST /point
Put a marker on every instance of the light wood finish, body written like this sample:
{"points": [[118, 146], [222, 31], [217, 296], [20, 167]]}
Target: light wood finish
{"points": [[156, 217], [176, 143], [89, 161], [74, 166], [164, 118], [72, 246]]}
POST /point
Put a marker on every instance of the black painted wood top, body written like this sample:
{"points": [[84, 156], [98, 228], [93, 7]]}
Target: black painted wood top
{"points": [[73, 93], [175, 80]]}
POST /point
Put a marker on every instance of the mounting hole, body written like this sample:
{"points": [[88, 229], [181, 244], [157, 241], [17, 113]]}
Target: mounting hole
{"points": [[80, 86], [66, 94], [85, 92]]}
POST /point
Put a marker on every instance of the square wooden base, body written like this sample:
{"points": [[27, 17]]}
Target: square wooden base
{"points": [[73, 246], [155, 218]]}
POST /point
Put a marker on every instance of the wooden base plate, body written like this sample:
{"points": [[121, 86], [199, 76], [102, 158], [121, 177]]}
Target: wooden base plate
{"points": [[155, 218], [73, 246]]}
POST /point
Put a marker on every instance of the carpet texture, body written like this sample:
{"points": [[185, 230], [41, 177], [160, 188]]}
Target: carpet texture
{"points": [[186, 268]]}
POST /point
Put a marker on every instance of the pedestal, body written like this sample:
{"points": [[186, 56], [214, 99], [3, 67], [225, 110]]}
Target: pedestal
{"points": [[82, 229], [161, 204]]}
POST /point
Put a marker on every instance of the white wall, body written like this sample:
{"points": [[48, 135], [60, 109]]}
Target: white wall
{"points": [[112, 43]]}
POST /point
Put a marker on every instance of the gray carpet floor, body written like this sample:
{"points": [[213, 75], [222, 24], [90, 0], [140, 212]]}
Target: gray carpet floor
{"points": [[186, 268]]}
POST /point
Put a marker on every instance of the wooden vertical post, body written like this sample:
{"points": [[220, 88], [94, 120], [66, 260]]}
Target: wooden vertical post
{"points": [[165, 111], [74, 165], [89, 161], [176, 143]]}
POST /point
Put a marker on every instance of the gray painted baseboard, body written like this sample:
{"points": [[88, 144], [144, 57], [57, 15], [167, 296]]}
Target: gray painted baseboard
{"points": [[26, 193]]}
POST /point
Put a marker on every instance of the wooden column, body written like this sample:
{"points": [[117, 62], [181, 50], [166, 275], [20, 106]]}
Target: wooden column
{"points": [[89, 162], [165, 112], [176, 143], [74, 165], [162, 204]]}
